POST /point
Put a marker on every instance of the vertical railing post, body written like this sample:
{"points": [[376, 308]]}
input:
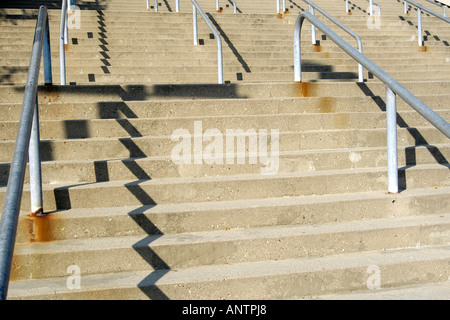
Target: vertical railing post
{"points": [[278, 6], [177, 5], [34, 160], [234, 6], [194, 24], [47, 56], [419, 27], [371, 7], [313, 28], [391, 127], [346, 6], [156, 5], [217, 5], [62, 39], [297, 50], [405, 7]]}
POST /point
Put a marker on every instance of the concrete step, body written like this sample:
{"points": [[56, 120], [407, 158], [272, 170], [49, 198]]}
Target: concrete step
{"points": [[345, 272], [96, 93], [422, 291], [123, 147], [87, 171], [180, 190], [160, 108], [103, 128], [94, 256], [170, 219]]}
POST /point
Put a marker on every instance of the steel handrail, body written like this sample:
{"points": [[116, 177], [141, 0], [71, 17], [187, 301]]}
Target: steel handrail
{"points": [[278, 6], [439, 5], [63, 41], [313, 6], [26, 148], [195, 8], [177, 5], [419, 17], [393, 88], [371, 3]]}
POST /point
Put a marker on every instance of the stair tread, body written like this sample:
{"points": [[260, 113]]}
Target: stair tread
{"points": [[228, 272]]}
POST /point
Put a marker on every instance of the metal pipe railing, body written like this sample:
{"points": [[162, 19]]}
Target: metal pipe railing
{"points": [[393, 88], [63, 41], [27, 146], [156, 5], [371, 4], [279, 7], [195, 8], [444, 8], [421, 8], [313, 6]]}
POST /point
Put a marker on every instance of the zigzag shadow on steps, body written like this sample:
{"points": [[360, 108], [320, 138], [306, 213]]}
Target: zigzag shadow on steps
{"points": [[427, 35], [229, 43], [419, 140], [142, 247]]}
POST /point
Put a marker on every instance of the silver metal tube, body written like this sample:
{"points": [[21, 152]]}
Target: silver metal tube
{"points": [[194, 24], [313, 28], [156, 5], [278, 6], [234, 6], [47, 56], [34, 160], [284, 6], [216, 34], [427, 10], [62, 35], [371, 7], [391, 129], [217, 5], [346, 6], [436, 120], [177, 5], [419, 27], [343, 27], [439, 5], [148, 4], [14, 190], [393, 85]]}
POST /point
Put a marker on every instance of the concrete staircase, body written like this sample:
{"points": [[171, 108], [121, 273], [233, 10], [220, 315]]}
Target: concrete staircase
{"points": [[137, 225]]}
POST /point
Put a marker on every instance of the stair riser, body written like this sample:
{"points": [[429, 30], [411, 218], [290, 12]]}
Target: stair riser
{"points": [[146, 193], [144, 255], [148, 220]]}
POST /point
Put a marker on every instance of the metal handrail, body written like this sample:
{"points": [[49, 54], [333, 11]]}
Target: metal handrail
{"points": [[393, 88], [63, 41], [439, 5], [278, 6], [177, 5], [195, 8], [26, 148], [419, 17], [313, 6]]}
